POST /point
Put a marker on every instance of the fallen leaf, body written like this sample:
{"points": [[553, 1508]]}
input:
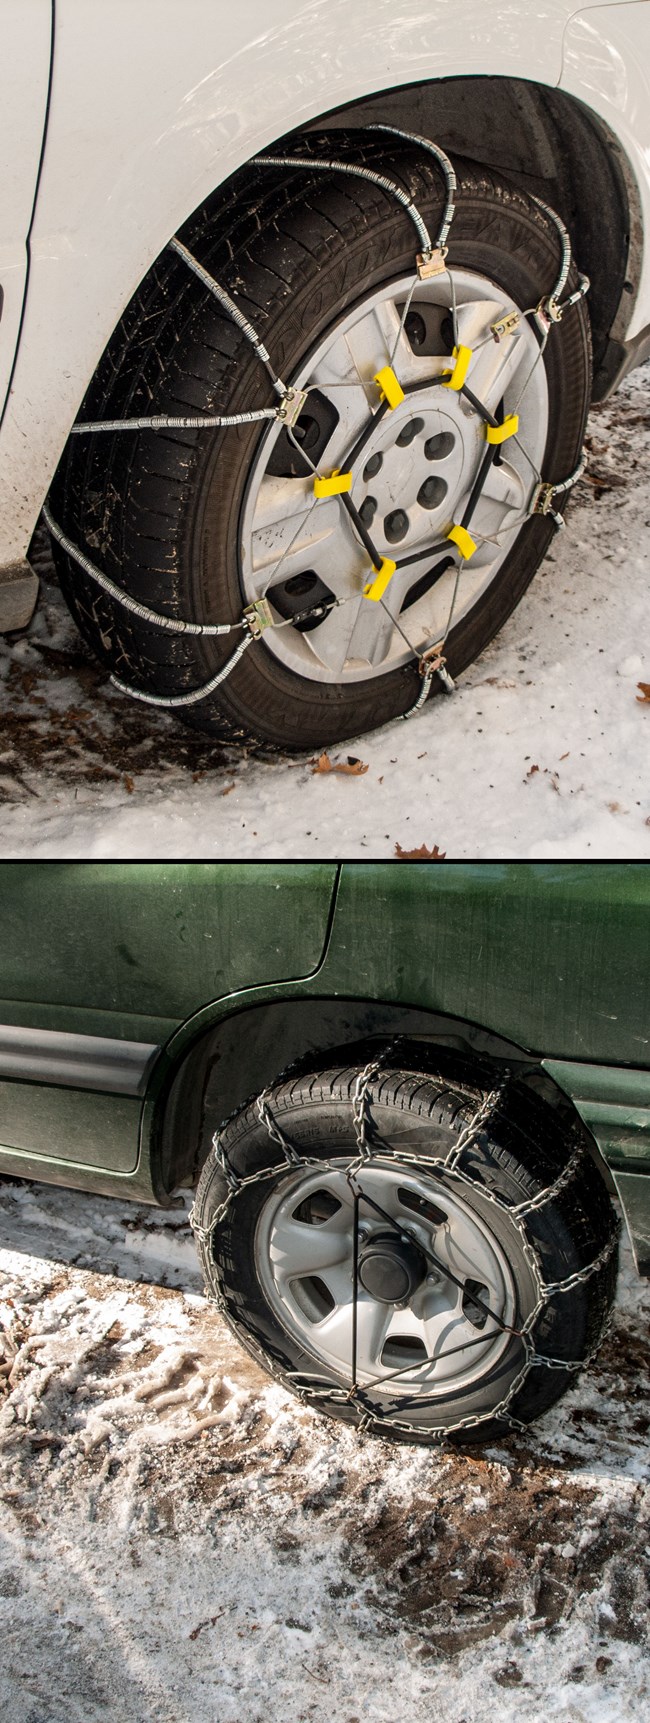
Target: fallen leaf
{"points": [[350, 768], [565, 756], [531, 772], [227, 788], [644, 696], [421, 854], [128, 784], [210, 1622]]}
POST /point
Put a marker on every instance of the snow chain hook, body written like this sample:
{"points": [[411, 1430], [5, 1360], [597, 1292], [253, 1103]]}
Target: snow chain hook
{"points": [[431, 260]]}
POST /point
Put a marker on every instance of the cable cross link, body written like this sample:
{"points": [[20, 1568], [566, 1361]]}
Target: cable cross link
{"points": [[448, 1175], [430, 260]]}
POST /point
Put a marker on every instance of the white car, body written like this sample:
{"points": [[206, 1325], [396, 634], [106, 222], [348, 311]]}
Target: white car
{"points": [[400, 247]]}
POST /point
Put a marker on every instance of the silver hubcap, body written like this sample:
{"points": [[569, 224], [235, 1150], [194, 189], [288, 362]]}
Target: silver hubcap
{"points": [[411, 482], [417, 1331]]}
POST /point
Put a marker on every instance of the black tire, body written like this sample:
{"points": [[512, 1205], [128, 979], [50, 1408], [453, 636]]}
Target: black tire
{"points": [[518, 1153], [160, 511]]}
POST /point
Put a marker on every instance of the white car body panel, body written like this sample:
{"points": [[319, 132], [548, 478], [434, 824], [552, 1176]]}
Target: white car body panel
{"points": [[25, 42], [606, 64], [155, 102]]}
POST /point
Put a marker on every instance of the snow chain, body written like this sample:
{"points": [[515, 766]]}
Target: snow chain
{"points": [[447, 1172], [431, 260]]}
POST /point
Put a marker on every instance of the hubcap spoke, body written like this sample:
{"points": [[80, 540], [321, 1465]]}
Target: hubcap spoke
{"points": [[300, 1249], [373, 1321]]}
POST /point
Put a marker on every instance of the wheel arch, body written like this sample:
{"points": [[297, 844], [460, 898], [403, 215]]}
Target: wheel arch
{"points": [[212, 1075], [558, 149]]}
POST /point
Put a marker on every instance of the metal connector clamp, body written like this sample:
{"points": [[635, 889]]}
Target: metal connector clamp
{"points": [[542, 501], [542, 504], [506, 325], [432, 263], [257, 617], [291, 406]]}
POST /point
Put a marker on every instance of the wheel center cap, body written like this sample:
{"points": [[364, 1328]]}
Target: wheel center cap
{"points": [[416, 465], [391, 1268]]}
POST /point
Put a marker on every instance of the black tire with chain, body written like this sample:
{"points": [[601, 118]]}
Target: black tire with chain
{"points": [[519, 1152], [159, 511]]}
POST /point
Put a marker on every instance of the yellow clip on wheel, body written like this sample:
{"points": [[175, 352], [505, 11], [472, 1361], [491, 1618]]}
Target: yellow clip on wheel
{"points": [[391, 388], [376, 588], [460, 536], [500, 433], [456, 378], [334, 485]]}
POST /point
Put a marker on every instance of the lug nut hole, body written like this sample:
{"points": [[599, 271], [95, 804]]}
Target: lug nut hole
{"points": [[408, 432], [437, 448], [396, 526], [372, 467], [431, 493], [368, 510]]}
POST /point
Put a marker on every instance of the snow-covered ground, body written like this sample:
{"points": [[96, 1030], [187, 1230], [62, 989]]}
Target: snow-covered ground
{"points": [[542, 751], [182, 1542]]}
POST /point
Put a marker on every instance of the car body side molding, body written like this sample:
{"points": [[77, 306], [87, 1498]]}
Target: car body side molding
{"points": [[76, 1061]]}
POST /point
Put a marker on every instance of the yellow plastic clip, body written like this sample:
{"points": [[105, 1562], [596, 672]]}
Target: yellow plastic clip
{"points": [[391, 389], [377, 587], [460, 536], [500, 433], [334, 485], [456, 378]]}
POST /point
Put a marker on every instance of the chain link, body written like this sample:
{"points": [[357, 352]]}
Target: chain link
{"points": [[317, 1387]]}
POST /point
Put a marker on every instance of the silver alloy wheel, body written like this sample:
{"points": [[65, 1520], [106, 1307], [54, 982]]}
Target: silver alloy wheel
{"points": [[304, 1246], [410, 484]]}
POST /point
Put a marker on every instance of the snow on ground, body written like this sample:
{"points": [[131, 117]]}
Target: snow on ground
{"points": [[181, 1541], [84, 771]]}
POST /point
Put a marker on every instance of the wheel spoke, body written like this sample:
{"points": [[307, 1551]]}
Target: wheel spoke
{"points": [[495, 367], [299, 1249], [331, 642], [312, 536], [501, 504], [373, 1320]]}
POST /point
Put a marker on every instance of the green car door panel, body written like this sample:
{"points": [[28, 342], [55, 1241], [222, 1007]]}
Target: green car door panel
{"points": [[131, 950], [100, 963], [81, 1130], [550, 955]]}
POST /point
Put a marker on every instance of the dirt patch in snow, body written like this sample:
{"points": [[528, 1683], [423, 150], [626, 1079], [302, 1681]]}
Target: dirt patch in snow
{"points": [[181, 1540]]}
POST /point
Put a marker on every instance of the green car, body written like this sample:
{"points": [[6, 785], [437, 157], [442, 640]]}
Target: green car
{"points": [[406, 1095]]}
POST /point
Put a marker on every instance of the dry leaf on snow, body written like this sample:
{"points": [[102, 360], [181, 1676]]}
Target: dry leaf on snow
{"points": [[644, 696], [350, 768], [422, 854]]}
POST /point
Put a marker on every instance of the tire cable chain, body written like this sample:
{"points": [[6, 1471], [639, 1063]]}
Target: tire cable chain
{"points": [[320, 1388], [430, 261]]}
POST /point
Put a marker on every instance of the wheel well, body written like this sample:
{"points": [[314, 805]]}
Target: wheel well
{"points": [[541, 140], [545, 142], [248, 1049]]}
